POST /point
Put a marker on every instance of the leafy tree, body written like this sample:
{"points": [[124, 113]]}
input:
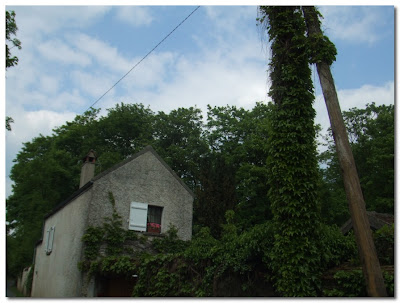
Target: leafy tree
{"points": [[9, 120], [371, 133], [178, 138], [11, 29], [216, 193], [42, 179], [240, 137], [126, 129]]}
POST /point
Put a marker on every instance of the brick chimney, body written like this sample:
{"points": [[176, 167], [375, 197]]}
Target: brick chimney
{"points": [[87, 171]]}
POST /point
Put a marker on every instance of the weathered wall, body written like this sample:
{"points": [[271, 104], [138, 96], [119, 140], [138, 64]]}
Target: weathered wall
{"points": [[140, 179], [143, 179], [21, 282], [57, 274]]}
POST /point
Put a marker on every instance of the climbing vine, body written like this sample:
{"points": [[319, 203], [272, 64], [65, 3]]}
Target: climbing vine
{"points": [[197, 268], [292, 164], [112, 236]]}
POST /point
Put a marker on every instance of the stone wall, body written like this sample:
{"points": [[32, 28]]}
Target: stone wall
{"points": [[143, 179]]}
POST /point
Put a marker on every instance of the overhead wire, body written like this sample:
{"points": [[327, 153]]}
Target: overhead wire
{"points": [[165, 38]]}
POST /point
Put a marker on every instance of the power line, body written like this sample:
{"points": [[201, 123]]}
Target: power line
{"points": [[165, 38]]}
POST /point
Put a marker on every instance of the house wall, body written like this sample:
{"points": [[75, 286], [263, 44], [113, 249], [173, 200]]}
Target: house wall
{"points": [[21, 282], [143, 179], [57, 274]]}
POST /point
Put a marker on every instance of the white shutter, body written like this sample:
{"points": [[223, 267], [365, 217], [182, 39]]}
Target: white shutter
{"points": [[50, 239], [47, 240], [138, 216]]}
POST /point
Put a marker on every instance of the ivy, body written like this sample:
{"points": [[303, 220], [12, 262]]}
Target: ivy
{"points": [[113, 236], [351, 283], [293, 173]]}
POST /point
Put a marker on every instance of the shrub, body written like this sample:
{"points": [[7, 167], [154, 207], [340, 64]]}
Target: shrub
{"points": [[384, 244], [335, 247]]}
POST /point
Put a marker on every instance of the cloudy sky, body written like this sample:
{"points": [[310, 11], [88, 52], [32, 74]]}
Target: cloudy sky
{"points": [[72, 55]]}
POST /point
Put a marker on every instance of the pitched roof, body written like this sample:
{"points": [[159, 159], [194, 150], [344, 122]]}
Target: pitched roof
{"points": [[148, 148], [97, 177], [376, 221]]}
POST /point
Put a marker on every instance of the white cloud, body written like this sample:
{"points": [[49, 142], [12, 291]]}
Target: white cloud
{"points": [[151, 72], [134, 15], [49, 84], [106, 56], [94, 84], [355, 24], [214, 79], [59, 51], [37, 21], [350, 98], [230, 70]]}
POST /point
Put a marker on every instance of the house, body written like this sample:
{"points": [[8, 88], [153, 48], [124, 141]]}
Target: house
{"points": [[146, 190], [376, 221]]}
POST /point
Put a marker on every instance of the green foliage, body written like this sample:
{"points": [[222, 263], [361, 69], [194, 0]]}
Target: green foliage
{"points": [[389, 283], [335, 248], [11, 29], [349, 284], [352, 284], [179, 141], [113, 236], [93, 238], [319, 47], [170, 243], [371, 134], [9, 120], [291, 162], [384, 244], [193, 270]]}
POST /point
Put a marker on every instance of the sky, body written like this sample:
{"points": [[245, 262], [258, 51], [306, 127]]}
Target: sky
{"points": [[72, 55]]}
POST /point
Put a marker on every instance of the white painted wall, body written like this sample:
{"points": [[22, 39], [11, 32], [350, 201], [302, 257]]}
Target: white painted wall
{"points": [[57, 274]]}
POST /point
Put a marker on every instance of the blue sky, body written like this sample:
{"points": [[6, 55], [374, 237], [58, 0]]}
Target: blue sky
{"points": [[72, 55]]}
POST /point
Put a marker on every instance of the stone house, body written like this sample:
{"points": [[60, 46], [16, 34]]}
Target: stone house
{"points": [[146, 190]]}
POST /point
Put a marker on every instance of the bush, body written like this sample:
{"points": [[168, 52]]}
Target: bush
{"points": [[335, 247], [384, 244], [352, 284]]}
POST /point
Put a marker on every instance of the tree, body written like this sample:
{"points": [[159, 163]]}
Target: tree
{"points": [[9, 120], [240, 136], [291, 162], [178, 138], [371, 135], [322, 53], [11, 29]]}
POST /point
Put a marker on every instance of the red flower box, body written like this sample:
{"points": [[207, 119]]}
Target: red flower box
{"points": [[154, 228]]}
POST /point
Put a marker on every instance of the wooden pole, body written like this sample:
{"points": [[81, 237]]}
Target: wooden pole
{"points": [[366, 248]]}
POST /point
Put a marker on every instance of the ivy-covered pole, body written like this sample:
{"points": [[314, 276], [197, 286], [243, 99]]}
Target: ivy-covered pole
{"points": [[322, 53], [292, 163]]}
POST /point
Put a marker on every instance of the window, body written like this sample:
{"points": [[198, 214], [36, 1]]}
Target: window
{"points": [[144, 217], [154, 219], [49, 240], [154, 214]]}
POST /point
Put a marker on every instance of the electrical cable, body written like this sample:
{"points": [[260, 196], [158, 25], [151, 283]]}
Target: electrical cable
{"points": [[165, 38]]}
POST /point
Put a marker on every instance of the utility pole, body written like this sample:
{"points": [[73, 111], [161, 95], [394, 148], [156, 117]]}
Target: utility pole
{"points": [[366, 248]]}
